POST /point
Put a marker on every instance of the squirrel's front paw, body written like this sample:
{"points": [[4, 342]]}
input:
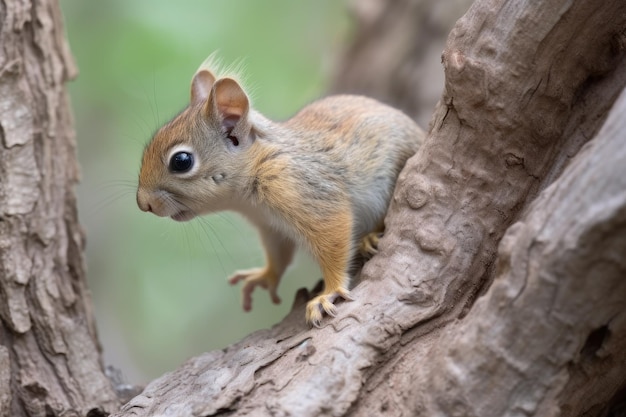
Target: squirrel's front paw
{"points": [[251, 278], [324, 303]]}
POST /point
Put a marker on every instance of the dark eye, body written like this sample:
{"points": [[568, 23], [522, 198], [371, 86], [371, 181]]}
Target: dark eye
{"points": [[181, 162]]}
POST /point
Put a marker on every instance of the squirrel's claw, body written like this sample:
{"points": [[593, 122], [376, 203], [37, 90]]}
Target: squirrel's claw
{"points": [[369, 245], [324, 303]]}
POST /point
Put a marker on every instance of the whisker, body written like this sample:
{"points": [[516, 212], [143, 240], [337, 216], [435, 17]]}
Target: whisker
{"points": [[133, 138], [131, 185], [107, 201], [156, 102], [188, 251], [228, 219], [209, 230], [204, 224], [208, 235]]}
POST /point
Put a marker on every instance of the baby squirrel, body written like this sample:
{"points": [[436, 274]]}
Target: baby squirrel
{"points": [[322, 179]]}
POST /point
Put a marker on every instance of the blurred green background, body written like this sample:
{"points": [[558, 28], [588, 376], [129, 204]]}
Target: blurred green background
{"points": [[159, 287]]}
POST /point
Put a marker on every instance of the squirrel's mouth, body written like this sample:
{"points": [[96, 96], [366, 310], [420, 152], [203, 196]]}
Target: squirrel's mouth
{"points": [[183, 216]]}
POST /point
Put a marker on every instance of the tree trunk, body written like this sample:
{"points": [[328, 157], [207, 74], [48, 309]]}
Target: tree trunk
{"points": [[444, 322], [50, 360]]}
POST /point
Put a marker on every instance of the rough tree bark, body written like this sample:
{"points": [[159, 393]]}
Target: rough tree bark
{"points": [[444, 322], [50, 362]]}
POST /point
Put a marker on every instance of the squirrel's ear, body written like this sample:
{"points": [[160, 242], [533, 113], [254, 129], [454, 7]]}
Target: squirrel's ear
{"points": [[201, 85], [230, 99], [232, 105]]}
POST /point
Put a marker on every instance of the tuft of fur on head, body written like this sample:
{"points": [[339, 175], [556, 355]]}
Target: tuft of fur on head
{"points": [[215, 64]]}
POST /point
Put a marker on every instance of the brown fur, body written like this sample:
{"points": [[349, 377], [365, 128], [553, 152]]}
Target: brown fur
{"points": [[323, 179]]}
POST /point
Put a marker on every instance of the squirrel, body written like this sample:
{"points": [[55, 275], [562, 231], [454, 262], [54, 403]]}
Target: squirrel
{"points": [[321, 180]]}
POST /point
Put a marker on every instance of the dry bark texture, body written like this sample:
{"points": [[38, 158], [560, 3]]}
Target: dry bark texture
{"points": [[527, 83], [49, 355], [553, 324]]}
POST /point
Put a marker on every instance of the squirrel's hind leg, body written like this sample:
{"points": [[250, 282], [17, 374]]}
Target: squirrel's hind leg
{"points": [[332, 246]]}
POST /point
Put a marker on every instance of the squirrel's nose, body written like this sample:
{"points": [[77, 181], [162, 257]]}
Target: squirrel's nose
{"points": [[142, 201]]}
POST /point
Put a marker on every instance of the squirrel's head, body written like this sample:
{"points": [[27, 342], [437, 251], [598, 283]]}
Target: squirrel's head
{"points": [[196, 163]]}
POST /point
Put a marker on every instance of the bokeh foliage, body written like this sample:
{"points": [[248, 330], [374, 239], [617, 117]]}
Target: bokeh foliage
{"points": [[159, 287]]}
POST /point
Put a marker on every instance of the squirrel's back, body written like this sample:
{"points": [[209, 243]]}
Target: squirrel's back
{"points": [[348, 145]]}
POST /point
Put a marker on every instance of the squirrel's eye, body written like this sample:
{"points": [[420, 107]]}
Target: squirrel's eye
{"points": [[181, 162]]}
